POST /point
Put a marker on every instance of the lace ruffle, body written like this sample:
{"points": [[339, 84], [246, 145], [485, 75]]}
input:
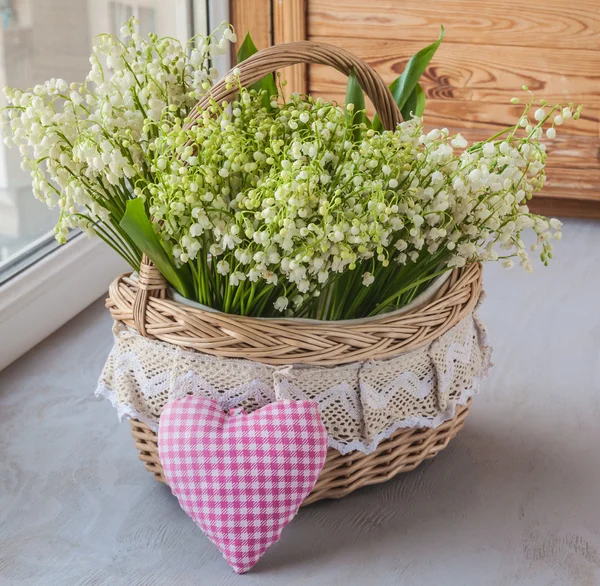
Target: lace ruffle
{"points": [[361, 404]]}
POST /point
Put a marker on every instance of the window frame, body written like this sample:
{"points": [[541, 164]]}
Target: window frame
{"points": [[52, 291], [39, 298]]}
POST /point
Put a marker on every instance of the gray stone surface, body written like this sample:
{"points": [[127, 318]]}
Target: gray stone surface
{"points": [[514, 500]]}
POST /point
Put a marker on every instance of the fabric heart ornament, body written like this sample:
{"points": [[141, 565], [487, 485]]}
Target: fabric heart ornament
{"points": [[241, 477]]}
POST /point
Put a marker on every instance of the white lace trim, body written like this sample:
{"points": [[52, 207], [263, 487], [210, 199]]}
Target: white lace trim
{"points": [[126, 412], [414, 421], [361, 404], [123, 411]]}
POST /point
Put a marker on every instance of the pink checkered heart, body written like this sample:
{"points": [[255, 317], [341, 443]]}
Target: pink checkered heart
{"points": [[241, 477]]}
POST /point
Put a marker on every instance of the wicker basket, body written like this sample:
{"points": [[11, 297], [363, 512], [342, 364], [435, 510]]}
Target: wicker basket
{"points": [[144, 304]]}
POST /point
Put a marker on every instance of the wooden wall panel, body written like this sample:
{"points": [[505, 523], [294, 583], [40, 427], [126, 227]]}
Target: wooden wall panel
{"points": [[273, 22], [533, 23], [289, 24], [552, 47], [473, 116], [460, 71], [252, 16]]}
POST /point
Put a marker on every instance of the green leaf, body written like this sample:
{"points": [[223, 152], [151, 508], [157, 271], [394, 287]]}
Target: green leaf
{"points": [[138, 227], [267, 83], [403, 86], [415, 105], [355, 96], [247, 48]]}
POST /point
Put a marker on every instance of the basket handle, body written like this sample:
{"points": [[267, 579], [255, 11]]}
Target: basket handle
{"points": [[277, 57], [150, 283]]}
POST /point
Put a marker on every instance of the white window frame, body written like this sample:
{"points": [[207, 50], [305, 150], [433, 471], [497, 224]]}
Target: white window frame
{"points": [[53, 290]]}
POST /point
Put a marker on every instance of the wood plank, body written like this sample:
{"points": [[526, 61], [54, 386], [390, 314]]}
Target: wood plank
{"points": [[556, 206], [459, 72], [535, 23], [581, 152], [289, 24], [252, 16], [460, 114], [470, 115], [573, 161], [573, 184], [580, 183]]}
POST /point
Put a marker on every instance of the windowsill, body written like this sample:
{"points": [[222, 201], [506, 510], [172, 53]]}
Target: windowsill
{"points": [[45, 296]]}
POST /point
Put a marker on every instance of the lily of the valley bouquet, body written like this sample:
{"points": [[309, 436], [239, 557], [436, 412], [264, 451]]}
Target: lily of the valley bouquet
{"points": [[267, 206]]}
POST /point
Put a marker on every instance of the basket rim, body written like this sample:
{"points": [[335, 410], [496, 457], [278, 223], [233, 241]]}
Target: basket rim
{"points": [[440, 294], [146, 307]]}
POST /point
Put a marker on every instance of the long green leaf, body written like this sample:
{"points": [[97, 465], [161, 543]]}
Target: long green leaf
{"points": [[356, 97], [415, 105], [136, 224], [403, 86], [267, 83]]}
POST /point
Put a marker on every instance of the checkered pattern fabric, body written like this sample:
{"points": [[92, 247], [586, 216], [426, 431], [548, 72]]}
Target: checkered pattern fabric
{"points": [[241, 477]]}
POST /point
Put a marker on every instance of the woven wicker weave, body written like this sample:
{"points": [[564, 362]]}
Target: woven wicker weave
{"points": [[343, 474], [144, 304]]}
